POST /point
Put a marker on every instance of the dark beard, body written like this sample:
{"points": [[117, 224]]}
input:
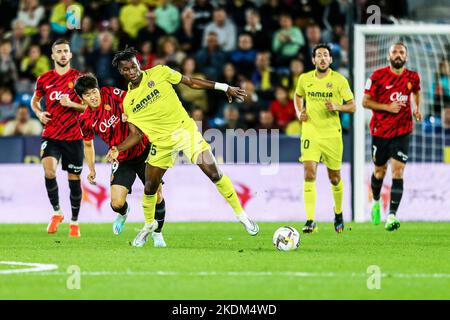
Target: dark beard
{"points": [[396, 64], [322, 70], [62, 65]]}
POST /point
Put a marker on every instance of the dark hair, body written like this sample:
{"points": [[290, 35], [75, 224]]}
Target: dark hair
{"points": [[321, 46], [125, 55], [84, 83], [60, 41]]}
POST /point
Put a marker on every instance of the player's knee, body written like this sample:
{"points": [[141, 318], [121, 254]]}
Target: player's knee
{"points": [[215, 176], [397, 173], [335, 179], [150, 187], [380, 172], [310, 176], [117, 204], [50, 173]]}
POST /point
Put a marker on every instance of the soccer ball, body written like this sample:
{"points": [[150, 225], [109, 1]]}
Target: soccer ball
{"points": [[286, 239]]}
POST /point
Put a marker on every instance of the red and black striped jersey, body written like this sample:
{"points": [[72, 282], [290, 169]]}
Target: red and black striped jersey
{"points": [[106, 121], [385, 87], [63, 124]]}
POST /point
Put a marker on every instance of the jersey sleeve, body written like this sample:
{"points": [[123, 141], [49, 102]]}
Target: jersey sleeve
{"points": [[345, 91], [371, 85], [299, 89], [173, 76], [39, 88], [86, 127], [115, 93]]}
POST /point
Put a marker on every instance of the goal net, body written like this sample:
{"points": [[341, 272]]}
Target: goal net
{"points": [[427, 178]]}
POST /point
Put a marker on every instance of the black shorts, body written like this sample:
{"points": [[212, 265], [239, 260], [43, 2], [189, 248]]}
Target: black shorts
{"points": [[71, 153], [384, 149], [124, 173]]}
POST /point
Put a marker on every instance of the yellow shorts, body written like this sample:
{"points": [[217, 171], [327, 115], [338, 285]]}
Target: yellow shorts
{"points": [[326, 150], [188, 140]]}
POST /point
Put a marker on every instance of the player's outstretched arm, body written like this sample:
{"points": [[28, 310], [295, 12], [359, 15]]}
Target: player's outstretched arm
{"points": [[231, 92], [133, 139], [43, 116], [417, 100], [89, 154], [394, 107], [299, 108], [66, 102], [348, 107]]}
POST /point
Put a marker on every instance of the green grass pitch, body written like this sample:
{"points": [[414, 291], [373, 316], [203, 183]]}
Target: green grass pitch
{"points": [[220, 261]]}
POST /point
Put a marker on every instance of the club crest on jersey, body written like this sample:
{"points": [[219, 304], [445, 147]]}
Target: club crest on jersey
{"points": [[107, 107], [329, 85], [151, 84], [70, 85]]}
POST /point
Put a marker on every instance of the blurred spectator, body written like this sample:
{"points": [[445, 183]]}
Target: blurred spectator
{"points": [[264, 77], [198, 115], [44, 39], [186, 34], [31, 14], [7, 105], [343, 56], [20, 41], [34, 64], [224, 29], [203, 11], [194, 98], [244, 56], [295, 70], [145, 56], [133, 17], [251, 106], [282, 107], [237, 9], [100, 60], [60, 15], [229, 75], [287, 41], [22, 125], [441, 88], [261, 38], [82, 42], [8, 70], [266, 121], [313, 38], [120, 37], [211, 58], [270, 12], [231, 119], [167, 17], [151, 32], [169, 52]]}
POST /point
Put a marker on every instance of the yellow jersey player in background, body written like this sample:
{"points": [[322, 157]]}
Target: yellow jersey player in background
{"points": [[153, 108], [320, 95]]}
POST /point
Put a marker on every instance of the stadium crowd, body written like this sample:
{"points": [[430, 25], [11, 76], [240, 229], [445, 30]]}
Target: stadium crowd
{"points": [[262, 46]]}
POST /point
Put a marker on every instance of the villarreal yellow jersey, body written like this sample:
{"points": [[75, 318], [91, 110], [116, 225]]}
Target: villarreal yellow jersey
{"points": [[322, 123], [154, 106]]}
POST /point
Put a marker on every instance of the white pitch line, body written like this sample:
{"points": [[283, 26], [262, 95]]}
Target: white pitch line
{"points": [[249, 274], [35, 267]]}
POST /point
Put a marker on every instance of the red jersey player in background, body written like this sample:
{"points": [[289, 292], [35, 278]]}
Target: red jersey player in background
{"points": [[103, 116], [61, 138], [388, 93]]}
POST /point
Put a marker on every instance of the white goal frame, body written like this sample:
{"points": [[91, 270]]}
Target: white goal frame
{"points": [[359, 63]]}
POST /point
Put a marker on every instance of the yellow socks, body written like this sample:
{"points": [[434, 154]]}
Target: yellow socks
{"points": [[309, 195], [149, 203], [338, 195], [226, 189]]}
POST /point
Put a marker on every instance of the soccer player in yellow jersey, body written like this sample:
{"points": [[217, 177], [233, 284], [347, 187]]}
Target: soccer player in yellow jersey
{"points": [[153, 108], [320, 95]]}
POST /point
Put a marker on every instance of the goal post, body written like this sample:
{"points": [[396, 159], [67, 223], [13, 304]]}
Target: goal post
{"points": [[427, 45]]}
